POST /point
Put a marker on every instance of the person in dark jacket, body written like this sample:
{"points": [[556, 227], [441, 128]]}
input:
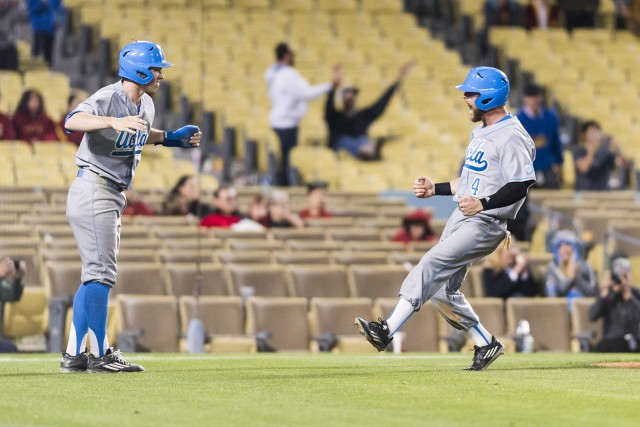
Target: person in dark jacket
{"points": [[348, 127], [507, 274], [44, 16]]}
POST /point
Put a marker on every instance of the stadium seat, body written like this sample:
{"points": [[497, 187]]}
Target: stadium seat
{"points": [[355, 258], [151, 319], [63, 278], [298, 233], [301, 257], [279, 324], [254, 244], [584, 333], [376, 281], [314, 245], [366, 246], [547, 317], [244, 257], [332, 324], [187, 256], [259, 280], [225, 233], [28, 316], [183, 279], [130, 256], [422, 328], [311, 281], [223, 320], [144, 278]]}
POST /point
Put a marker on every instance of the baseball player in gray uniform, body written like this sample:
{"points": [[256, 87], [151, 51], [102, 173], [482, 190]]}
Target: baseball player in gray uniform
{"points": [[117, 123], [497, 172]]}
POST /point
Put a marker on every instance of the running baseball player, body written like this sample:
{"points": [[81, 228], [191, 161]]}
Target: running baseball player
{"points": [[117, 123], [497, 173]]}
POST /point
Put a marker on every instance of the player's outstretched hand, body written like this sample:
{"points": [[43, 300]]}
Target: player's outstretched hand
{"points": [[185, 137], [469, 206], [423, 187], [129, 124]]}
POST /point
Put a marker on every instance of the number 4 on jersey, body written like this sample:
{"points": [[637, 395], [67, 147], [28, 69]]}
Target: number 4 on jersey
{"points": [[475, 186]]}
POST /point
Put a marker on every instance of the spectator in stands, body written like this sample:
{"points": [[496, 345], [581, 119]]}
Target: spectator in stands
{"points": [[257, 210], [348, 127], [544, 127], [279, 212], [627, 15], [502, 13], [30, 120], [316, 201], [11, 279], [289, 93], [568, 275], [507, 274], [578, 13], [618, 304], [597, 158], [184, 199], [44, 16], [136, 205], [9, 15], [540, 14], [75, 137], [6, 127], [225, 208], [416, 227]]}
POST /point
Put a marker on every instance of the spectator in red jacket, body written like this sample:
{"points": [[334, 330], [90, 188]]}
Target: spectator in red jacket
{"points": [[225, 212], [416, 227], [30, 120], [136, 205], [316, 199]]}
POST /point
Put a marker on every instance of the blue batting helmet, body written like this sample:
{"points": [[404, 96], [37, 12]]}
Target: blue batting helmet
{"points": [[136, 58], [492, 85]]}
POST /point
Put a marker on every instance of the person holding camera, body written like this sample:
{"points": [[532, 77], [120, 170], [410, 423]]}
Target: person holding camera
{"points": [[11, 279], [619, 306]]}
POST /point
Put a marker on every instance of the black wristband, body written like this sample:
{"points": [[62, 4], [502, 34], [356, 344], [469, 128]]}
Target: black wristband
{"points": [[443, 189]]}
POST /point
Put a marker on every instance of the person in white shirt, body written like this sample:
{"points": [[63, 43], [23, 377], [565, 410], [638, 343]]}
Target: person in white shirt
{"points": [[289, 93]]}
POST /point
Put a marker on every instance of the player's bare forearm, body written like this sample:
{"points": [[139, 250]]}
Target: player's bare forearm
{"points": [[86, 122], [155, 136], [454, 185]]}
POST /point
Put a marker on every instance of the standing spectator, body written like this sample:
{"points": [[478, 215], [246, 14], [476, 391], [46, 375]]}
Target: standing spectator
{"points": [[348, 128], [316, 202], [225, 212], [76, 137], [136, 205], [289, 93], [279, 212], [6, 126], [507, 274], [578, 13], [618, 304], [184, 199], [544, 127], [626, 19], [540, 14], [502, 13], [596, 159], [44, 15], [9, 14], [30, 120], [416, 227], [568, 275]]}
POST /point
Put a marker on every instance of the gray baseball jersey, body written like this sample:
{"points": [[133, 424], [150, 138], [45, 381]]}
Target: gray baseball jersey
{"points": [[107, 152], [497, 154]]}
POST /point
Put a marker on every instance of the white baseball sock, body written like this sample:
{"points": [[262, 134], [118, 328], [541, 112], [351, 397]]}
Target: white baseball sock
{"points": [[400, 314], [480, 335]]}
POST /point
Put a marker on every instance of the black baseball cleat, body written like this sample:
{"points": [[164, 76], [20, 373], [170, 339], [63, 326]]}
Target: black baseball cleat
{"points": [[485, 355], [112, 362], [377, 333], [69, 363]]}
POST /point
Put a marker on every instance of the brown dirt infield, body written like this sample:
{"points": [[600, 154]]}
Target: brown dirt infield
{"points": [[623, 365]]}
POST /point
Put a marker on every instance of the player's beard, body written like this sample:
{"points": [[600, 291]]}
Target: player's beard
{"points": [[477, 115]]}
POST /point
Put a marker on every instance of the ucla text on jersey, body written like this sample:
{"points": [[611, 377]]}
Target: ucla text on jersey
{"points": [[129, 145], [474, 160]]}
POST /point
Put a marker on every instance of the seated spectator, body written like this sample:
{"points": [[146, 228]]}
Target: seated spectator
{"points": [[618, 304], [348, 127], [11, 279], [568, 275], [507, 274], [416, 227], [257, 210], [75, 137], [6, 127], [225, 211], [30, 121], [279, 212], [502, 13], [316, 199], [184, 199], [136, 204], [544, 127], [596, 159], [540, 14]]}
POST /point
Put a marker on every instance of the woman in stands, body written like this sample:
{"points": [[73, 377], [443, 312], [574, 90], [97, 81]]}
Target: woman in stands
{"points": [[568, 274], [30, 120], [416, 227], [184, 199]]}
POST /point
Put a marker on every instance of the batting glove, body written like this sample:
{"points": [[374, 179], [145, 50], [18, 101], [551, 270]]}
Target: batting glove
{"points": [[180, 138]]}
